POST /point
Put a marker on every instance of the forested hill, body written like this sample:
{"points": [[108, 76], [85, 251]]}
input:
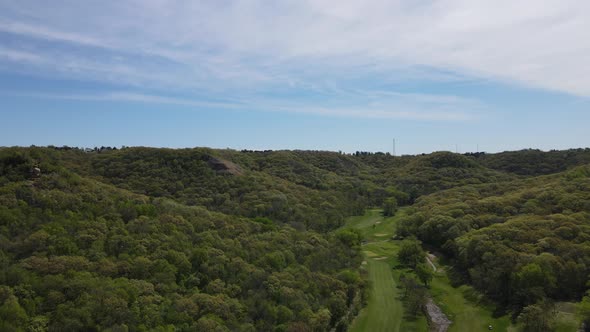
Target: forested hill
{"points": [[78, 253], [153, 239], [518, 241], [534, 162]]}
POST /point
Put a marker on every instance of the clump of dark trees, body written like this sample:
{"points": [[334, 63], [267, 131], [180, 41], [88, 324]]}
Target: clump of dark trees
{"points": [[415, 293]]}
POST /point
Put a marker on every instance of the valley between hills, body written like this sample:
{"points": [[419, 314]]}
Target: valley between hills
{"points": [[151, 239]]}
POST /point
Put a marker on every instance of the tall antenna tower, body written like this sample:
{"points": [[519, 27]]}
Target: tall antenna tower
{"points": [[394, 147]]}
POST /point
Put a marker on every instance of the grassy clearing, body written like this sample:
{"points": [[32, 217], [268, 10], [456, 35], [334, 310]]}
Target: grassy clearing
{"points": [[567, 319]]}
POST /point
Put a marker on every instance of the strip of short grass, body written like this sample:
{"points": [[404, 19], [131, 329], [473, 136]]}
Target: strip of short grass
{"points": [[364, 222], [566, 320], [465, 307], [470, 311], [373, 226], [466, 315], [384, 311]]}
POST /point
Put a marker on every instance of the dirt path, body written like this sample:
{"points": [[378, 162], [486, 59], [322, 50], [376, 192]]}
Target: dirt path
{"points": [[439, 321], [428, 256]]}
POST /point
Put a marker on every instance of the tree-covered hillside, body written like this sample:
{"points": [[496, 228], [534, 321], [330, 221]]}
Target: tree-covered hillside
{"points": [[77, 254], [427, 174], [519, 242], [314, 190], [146, 239], [534, 162]]}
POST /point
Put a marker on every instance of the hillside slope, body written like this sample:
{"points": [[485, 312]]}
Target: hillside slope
{"points": [[80, 255], [519, 241], [202, 239]]}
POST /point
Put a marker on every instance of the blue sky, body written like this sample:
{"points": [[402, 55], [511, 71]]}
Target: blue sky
{"points": [[323, 74]]}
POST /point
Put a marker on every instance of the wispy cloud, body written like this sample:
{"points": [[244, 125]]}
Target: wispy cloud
{"points": [[323, 49], [401, 106], [19, 56], [48, 33]]}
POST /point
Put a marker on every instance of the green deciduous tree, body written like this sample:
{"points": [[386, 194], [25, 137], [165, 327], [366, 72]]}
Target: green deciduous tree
{"points": [[411, 253], [389, 207], [424, 273]]}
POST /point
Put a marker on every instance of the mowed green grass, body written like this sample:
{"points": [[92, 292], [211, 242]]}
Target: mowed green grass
{"points": [[567, 319], [384, 314], [384, 311], [470, 311], [466, 315], [364, 223], [467, 308]]}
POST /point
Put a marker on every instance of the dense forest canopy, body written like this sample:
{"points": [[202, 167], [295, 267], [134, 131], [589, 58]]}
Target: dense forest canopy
{"points": [[144, 239]]}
